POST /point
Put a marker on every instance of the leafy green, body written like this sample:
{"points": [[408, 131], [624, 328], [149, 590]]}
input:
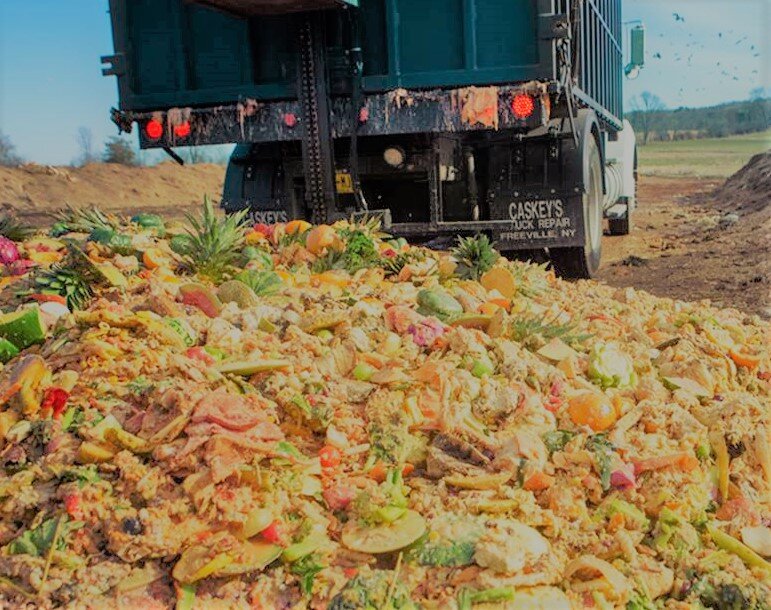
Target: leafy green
{"points": [[468, 597], [555, 440], [82, 474], [442, 553], [602, 449], [377, 590], [263, 283], [610, 367], [138, 385], [630, 511], [639, 601], [37, 541], [726, 597], [360, 252], [307, 568], [72, 419]]}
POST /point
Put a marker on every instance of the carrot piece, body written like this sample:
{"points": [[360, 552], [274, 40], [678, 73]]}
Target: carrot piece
{"points": [[502, 302], [49, 298], [683, 461], [746, 360], [407, 469], [616, 522], [9, 392], [378, 472], [538, 481]]}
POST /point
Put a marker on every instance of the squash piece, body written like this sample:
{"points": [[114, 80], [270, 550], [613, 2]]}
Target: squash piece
{"points": [[385, 538], [250, 556], [484, 481], [247, 368], [95, 453], [23, 328]]}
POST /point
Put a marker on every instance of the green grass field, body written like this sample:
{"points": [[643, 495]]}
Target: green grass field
{"points": [[707, 158]]}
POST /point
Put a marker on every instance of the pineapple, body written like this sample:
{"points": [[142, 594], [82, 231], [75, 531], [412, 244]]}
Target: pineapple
{"points": [[67, 281], [214, 244], [475, 256], [85, 220], [13, 229]]}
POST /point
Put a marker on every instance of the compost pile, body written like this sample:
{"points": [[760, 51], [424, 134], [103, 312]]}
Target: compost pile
{"points": [[747, 190], [217, 415]]}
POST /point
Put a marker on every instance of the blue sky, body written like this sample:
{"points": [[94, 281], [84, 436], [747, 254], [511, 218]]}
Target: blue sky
{"points": [[51, 82]]}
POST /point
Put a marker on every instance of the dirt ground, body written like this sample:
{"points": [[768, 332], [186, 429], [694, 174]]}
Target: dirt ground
{"points": [[688, 242], [33, 190], [686, 245]]}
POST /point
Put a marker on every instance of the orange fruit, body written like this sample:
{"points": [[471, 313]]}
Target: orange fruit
{"points": [[297, 226], [500, 279], [319, 238], [593, 410]]}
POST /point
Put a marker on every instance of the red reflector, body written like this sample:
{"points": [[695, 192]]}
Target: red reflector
{"points": [[182, 130], [522, 105], [154, 129]]}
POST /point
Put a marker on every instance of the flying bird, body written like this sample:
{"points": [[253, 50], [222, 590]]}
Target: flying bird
{"points": [[678, 17], [657, 56]]}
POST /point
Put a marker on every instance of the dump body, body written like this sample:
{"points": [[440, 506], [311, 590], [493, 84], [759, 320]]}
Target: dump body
{"points": [[179, 54]]}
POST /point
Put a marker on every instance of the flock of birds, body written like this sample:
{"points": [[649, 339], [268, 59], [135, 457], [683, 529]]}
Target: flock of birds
{"points": [[693, 47]]}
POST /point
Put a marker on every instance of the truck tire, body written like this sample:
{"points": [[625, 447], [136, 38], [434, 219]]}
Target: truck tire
{"points": [[582, 262]]}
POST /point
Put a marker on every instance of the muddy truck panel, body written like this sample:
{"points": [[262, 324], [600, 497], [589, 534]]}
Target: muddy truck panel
{"points": [[446, 117]]}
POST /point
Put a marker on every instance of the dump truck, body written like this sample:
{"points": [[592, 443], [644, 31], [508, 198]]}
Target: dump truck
{"points": [[443, 117]]}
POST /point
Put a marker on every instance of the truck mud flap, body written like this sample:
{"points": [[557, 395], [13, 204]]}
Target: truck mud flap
{"points": [[556, 222]]}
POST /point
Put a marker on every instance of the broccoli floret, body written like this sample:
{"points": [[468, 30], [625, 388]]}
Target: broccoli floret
{"points": [[373, 591], [639, 601], [442, 553], [751, 596]]}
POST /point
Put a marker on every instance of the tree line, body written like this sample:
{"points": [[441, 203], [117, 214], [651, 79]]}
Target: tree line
{"points": [[653, 121]]}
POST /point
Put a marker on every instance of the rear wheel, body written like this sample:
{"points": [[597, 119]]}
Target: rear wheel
{"points": [[584, 261]]}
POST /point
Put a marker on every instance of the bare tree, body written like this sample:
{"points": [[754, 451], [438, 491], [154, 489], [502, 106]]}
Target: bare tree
{"points": [[8, 156], [118, 150], [87, 153], [646, 106]]}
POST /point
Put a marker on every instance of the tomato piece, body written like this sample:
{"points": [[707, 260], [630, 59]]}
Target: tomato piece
{"points": [[274, 533], [330, 457], [55, 399], [72, 505], [199, 353]]}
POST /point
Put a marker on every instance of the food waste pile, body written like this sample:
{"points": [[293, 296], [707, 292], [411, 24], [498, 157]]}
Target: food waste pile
{"points": [[217, 415]]}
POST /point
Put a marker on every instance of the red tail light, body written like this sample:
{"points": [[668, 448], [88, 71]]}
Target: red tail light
{"points": [[154, 129], [522, 105], [182, 130]]}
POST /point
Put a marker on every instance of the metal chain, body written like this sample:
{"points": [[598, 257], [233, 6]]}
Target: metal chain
{"points": [[314, 188]]}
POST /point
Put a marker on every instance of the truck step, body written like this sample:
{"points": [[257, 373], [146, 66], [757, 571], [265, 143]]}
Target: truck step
{"points": [[616, 211]]}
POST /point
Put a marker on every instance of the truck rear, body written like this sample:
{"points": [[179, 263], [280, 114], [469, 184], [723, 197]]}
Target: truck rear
{"points": [[445, 117]]}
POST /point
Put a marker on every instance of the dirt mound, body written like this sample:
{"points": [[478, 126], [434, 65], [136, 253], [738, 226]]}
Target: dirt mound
{"points": [[749, 189], [33, 190]]}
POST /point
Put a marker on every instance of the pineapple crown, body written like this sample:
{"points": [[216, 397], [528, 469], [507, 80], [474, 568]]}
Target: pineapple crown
{"points": [[214, 243], [475, 256]]}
